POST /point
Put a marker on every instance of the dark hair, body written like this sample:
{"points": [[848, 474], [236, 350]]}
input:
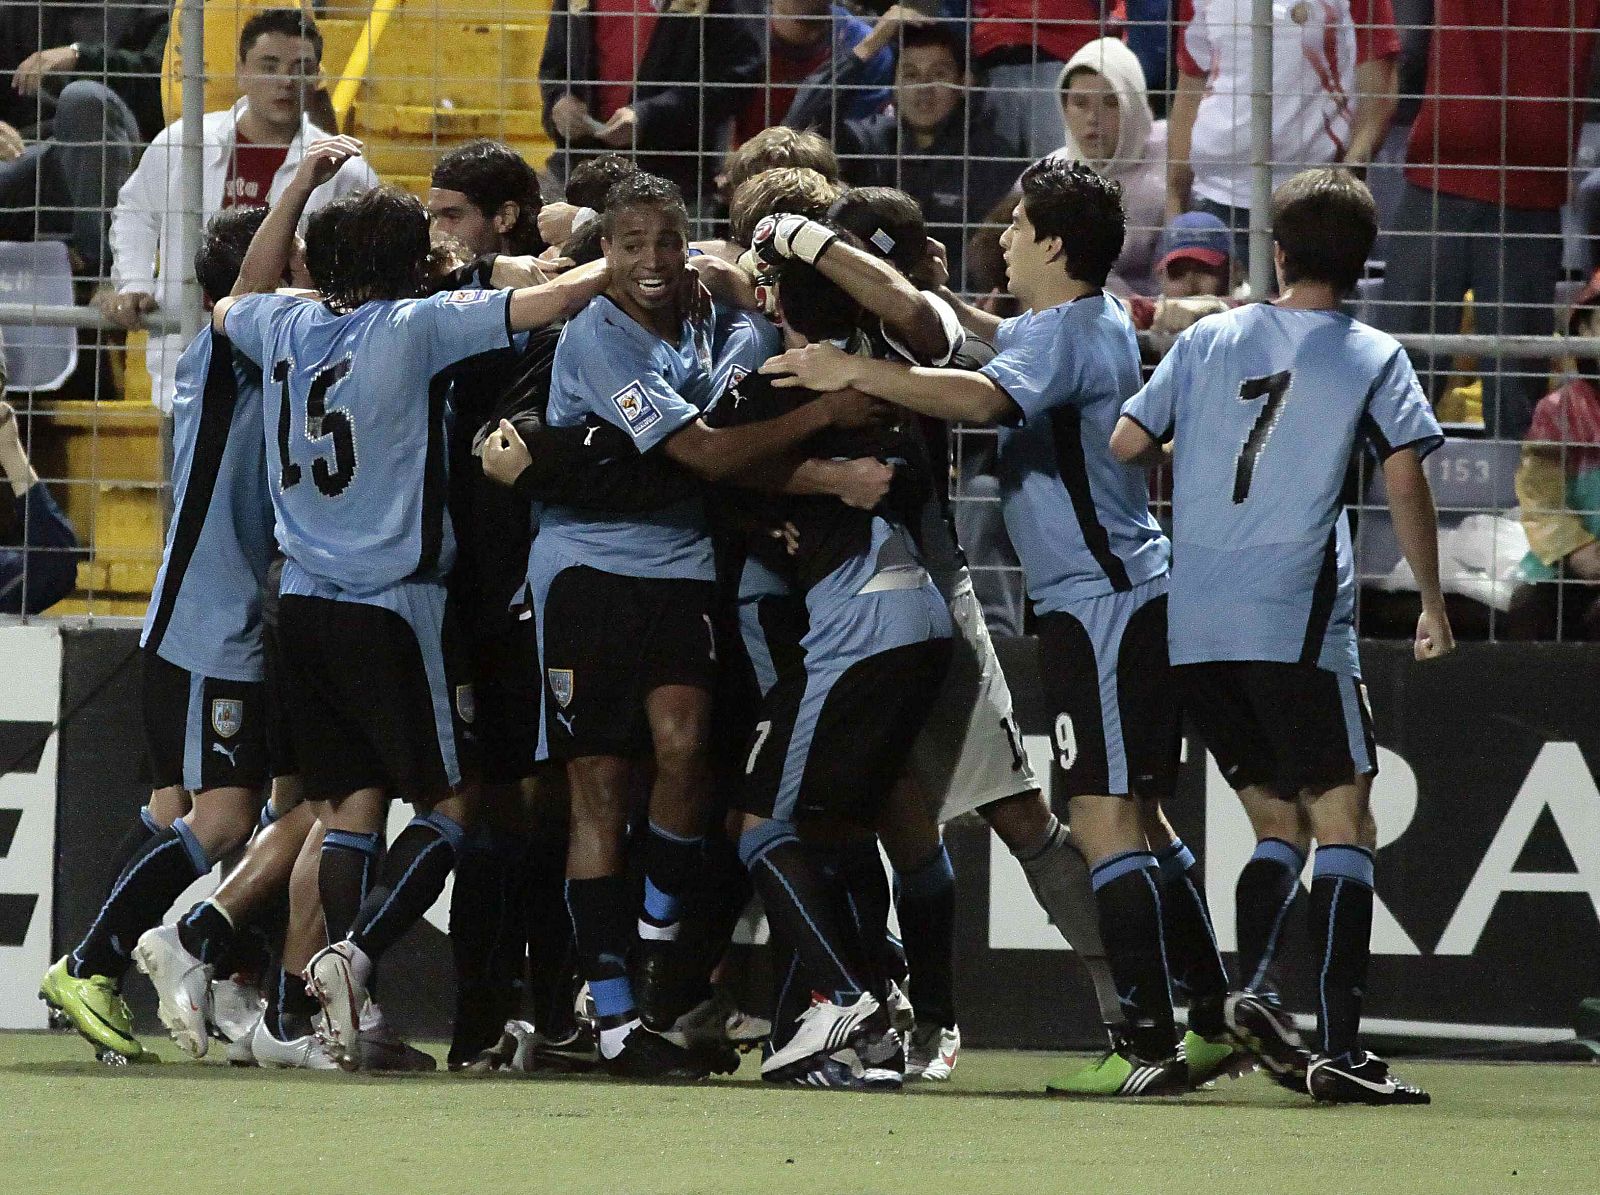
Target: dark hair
{"points": [[1325, 222], [786, 189], [369, 247], [591, 181], [778, 147], [888, 222], [290, 22], [1072, 201], [491, 174], [641, 189], [222, 249], [937, 33], [813, 304], [583, 246]]}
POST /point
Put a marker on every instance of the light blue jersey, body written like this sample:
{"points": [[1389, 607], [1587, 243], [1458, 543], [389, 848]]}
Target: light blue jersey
{"points": [[610, 367], [355, 424], [1265, 406], [741, 343], [205, 611], [1079, 520]]}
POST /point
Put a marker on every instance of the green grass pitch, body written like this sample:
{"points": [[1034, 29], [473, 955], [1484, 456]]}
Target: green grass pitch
{"points": [[68, 1124]]}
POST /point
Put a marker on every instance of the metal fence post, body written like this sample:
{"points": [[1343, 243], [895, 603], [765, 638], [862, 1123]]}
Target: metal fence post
{"points": [[192, 33], [1261, 271]]}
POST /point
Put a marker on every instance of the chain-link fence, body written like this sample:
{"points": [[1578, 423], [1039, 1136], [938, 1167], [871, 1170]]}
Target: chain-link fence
{"points": [[1470, 118]]}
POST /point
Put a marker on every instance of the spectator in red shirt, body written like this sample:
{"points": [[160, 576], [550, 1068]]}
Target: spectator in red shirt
{"points": [[797, 38], [1488, 167], [1019, 47]]}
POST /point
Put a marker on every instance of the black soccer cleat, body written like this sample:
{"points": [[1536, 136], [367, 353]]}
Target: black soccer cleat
{"points": [[645, 1054], [1361, 1078], [1268, 1032], [658, 985]]}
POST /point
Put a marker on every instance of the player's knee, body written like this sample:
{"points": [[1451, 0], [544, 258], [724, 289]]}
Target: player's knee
{"points": [[222, 820]]}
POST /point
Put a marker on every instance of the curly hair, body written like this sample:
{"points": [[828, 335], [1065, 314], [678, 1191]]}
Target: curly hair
{"points": [[1082, 207], [222, 249], [491, 174], [369, 247], [787, 189], [772, 148]]}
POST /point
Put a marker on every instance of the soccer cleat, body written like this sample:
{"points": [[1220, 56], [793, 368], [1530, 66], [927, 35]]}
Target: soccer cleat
{"points": [[183, 987], [95, 1008], [901, 1015], [646, 1054], [656, 984], [381, 1048], [1361, 1078], [235, 1009], [309, 1053], [337, 977], [716, 1021], [1209, 1060], [826, 1028], [932, 1051], [1268, 1033], [842, 1070], [523, 1048], [1121, 1072]]}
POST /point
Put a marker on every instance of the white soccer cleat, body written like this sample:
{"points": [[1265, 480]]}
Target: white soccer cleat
{"points": [[183, 986], [824, 1029], [932, 1052], [901, 1015], [337, 976], [303, 1053], [235, 1008]]}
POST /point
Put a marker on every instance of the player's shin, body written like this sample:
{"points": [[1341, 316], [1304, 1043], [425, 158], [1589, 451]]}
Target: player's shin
{"points": [[602, 927], [415, 869], [1196, 963], [1341, 931], [926, 900], [345, 875], [1265, 892], [1127, 889], [482, 908], [153, 879]]}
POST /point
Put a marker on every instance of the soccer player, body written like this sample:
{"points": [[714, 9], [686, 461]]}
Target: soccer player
{"points": [[204, 706], [1265, 407], [636, 683], [358, 473], [1095, 562]]}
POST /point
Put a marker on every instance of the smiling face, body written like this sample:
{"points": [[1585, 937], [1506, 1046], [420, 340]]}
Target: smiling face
{"points": [[1093, 116], [927, 87], [1028, 262], [648, 255], [275, 75]]}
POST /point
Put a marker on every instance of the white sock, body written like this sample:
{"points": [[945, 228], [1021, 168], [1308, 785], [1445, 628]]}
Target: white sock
{"points": [[651, 932]]}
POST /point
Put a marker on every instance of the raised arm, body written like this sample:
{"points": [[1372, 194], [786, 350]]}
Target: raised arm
{"points": [[1180, 135]]}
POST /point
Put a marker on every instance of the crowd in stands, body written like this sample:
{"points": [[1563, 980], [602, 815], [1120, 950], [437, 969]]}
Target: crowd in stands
{"points": [[1466, 115]]}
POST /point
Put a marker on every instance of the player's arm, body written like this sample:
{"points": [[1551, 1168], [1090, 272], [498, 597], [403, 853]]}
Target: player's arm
{"points": [[952, 394], [725, 454], [1416, 526], [561, 298], [1133, 445]]}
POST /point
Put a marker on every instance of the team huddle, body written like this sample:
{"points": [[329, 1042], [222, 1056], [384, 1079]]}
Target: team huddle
{"points": [[629, 564]]}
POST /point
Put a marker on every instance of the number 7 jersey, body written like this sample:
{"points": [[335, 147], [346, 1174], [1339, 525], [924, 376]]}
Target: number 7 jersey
{"points": [[354, 413], [1265, 407]]}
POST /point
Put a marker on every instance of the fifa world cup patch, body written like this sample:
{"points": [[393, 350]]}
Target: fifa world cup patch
{"points": [[227, 716], [465, 298], [466, 704], [560, 685], [638, 409]]}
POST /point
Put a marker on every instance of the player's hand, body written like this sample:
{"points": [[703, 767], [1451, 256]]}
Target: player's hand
{"points": [[1434, 636], [934, 271], [322, 160], [816, 367], [128, 310], [40, 63], [863, 483], [11, 145], [789, 535], [555, 222], [504, 454], [778, 238], [551, 263], [726, 281], [619, 131], [851, 410]]}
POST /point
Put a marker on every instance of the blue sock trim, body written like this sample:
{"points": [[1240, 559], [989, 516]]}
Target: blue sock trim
{"points": [[267, 816], [1345, 862], [350, 840], [758, 840], [680, 839], [612, 997], [149, 820], [191, 844], [930, 879], [659, 906], [1174, 859], [1118, 866], [1285, 854], [449, 829]]}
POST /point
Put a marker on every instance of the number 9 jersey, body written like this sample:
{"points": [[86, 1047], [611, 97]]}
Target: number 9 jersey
{"points": [[354, 416], [1265, 406]]}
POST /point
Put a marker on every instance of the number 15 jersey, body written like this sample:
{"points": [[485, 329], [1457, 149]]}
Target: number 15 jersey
{"points": [[355, 425], [1265, 406]]}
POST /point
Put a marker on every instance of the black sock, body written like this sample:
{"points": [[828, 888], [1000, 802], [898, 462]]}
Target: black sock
{"points": [[926, 901], [1341, 930], [414, 874], [345, 872], [671, 862], [800, 909], [866, 887], [1127, 890], [206, 933], [792, 998], [1197, 968], [552, 960], [289, 1009], [140, 831], [153, 879], [1266, 890], [602, 930], [480, 924], [722, 893]]}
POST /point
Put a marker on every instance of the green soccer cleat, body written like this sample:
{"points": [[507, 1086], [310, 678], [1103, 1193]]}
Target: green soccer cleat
{"points": [[1209, 1060], [1121, 1072], [95, 1008]]}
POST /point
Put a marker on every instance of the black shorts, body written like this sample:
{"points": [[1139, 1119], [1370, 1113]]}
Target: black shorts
{"points": [[377, 698], [201, 732], [757, 639], [1116, 726], [280, 739], [833, 745], [505, 686], [1288, 727], [608, 642]]}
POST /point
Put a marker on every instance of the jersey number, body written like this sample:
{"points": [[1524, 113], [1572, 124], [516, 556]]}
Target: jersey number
{"points": [[1274, 389], [1066, 742], [763, 729], [321, 424]]}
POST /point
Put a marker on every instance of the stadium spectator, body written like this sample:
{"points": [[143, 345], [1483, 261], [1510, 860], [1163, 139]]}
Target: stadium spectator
{"points": [[85, 133], [1487, 170], [797, 38], [250, 153], [618, 74], [1558, 489], [43, 569], [941, 142], [1195, 273], [1322, 55], [1019, 46]]}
